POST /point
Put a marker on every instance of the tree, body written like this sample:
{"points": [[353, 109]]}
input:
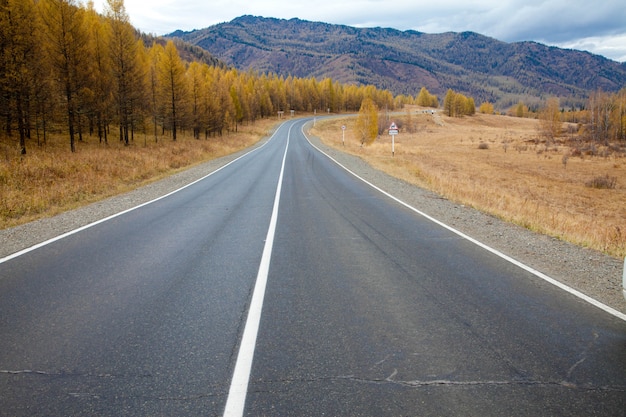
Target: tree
{"points": [[448, 103], [457, 105], [18, 49], [486, 108], [425, 99], [367, 121], [469, 108], [126, 71], [66, 43], [619, 118], [173, 88], [101, 71], [550, 118], [521, 110], [330, 96], [153, 57], [197, 86], [237, 108], [598, 115]]}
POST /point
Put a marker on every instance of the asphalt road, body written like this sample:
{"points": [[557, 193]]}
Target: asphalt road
{"points": [[369, 309]]}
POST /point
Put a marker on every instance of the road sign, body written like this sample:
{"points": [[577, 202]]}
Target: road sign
{"points": [[393, 131]]}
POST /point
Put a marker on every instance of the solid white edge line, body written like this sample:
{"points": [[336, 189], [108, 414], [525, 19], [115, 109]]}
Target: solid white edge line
{"points": [[237, 393], [533, 271], [87, 226]]}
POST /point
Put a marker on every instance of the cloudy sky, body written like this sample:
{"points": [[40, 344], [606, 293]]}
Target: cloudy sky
{"points": [[595, 26]]}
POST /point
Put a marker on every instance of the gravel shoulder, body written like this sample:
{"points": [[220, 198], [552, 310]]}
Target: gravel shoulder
{"points": [[590, 272]]}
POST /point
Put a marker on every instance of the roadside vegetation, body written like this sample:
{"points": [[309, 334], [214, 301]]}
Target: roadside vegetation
{"points": [[565, 183], [52, 180]]}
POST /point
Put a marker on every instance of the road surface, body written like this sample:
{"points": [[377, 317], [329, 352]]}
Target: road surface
{"points": [[366, 309]]}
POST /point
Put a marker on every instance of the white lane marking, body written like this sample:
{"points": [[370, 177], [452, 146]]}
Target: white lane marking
{"points": [[496, 252], [241, 375], [87, 226]]}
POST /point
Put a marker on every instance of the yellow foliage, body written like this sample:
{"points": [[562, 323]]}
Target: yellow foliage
{"points": [[486, 108], [367, 121]]}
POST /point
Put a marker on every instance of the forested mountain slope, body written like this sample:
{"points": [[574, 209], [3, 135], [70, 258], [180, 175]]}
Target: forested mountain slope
{"points": [[404, 61]]}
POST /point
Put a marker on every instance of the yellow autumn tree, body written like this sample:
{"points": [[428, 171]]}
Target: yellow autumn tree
{"points": [[18, 43], [486, 108], [521, 110], [100, 68], [425, 99], [172, 86], [65, 40], [125, 65], [367, 121]]}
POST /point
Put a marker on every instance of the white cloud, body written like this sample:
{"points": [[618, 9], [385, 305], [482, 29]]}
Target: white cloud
{"points": [[609, 46]]}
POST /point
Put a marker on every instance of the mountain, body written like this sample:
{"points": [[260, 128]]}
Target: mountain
{"points": [[405, 61]]}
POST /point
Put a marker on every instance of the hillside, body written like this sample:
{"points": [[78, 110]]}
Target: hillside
{"points": [[404, 61]]}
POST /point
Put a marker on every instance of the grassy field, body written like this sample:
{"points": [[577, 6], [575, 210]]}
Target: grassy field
{"points": [[50, 179], [502, 165]]}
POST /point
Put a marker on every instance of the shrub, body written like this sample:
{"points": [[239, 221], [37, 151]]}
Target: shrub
{"points": [[603, 182], [483, 145]]}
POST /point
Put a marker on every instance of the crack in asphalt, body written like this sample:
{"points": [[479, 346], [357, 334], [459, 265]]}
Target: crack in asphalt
{"points": [[24, 371], [449, 383], [351, 378], [583, 355], [68, 374]]}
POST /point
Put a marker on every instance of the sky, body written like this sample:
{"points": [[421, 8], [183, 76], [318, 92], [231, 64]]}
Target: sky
{"points": [[595, 26]]}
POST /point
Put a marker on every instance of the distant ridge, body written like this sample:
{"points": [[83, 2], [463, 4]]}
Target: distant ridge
{"points": [[404, 61]]}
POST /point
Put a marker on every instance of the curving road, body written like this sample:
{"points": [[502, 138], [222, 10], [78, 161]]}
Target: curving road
{"points": [[365, 309]]}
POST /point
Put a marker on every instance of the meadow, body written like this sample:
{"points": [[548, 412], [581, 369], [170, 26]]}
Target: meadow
{"points": [[50, 179], [565, 188]]}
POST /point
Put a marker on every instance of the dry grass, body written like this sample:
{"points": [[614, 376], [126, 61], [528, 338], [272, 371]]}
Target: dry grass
{"points": [[50, 179], [500, 165]]}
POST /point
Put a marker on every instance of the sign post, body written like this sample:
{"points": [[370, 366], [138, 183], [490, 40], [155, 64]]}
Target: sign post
{"points": [[343, 135], [393, 131]]}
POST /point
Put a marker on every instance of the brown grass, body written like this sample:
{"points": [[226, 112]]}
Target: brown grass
{"points": [[500, 165], [50, 179]]}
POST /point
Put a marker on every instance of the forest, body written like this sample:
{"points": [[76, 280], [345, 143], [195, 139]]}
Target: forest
{"points": [[68, 70]]}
